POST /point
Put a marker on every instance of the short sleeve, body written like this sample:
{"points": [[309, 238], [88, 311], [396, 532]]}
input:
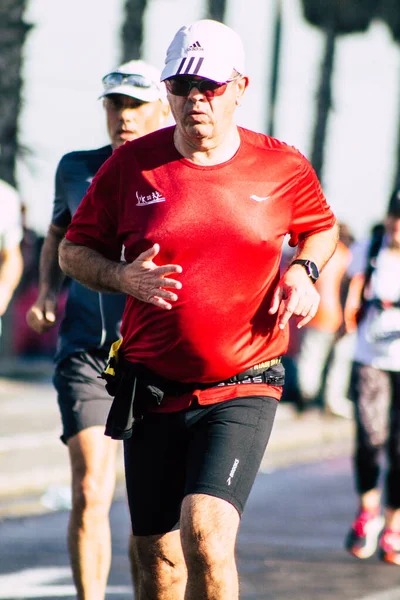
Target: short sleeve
{"points": [[311, 212], [61, 216], [95, 223]]}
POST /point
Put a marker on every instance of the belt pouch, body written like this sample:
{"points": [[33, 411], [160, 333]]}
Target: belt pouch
{"points": [[121, 416]]}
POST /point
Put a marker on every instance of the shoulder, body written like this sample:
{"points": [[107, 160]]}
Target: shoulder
{"points": [[158, 141], [155, 143], [81, 157], [9, 194], [10, 199], [262, 142]]}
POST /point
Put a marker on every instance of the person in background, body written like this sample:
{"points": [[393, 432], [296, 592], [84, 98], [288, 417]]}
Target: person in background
{"points": [[373, 311], [135, 104], [26, 343], [317, 340], [201, 209], [11, 263]]}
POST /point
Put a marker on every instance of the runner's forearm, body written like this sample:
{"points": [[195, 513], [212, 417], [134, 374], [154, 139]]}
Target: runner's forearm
{"points": [[319, 247], [90, 268], [51, 276]]}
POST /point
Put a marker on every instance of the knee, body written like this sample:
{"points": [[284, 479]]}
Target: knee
{"points": [[208, 533], [87, 497], [206, 551], [159, 567]]}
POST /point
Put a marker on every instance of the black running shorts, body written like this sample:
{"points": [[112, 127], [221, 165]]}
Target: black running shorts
{"points": [[214, 450], [82, 396]]}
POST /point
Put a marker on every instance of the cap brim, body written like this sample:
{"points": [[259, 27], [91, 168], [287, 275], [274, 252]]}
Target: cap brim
{"points": [[209, 69], [145, 95]]}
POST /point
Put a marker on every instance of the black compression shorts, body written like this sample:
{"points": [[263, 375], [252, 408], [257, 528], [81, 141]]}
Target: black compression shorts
{"points": [[214, 450]]}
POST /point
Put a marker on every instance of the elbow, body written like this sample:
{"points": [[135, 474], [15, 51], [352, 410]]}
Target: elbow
{"points": [[63, 257]]}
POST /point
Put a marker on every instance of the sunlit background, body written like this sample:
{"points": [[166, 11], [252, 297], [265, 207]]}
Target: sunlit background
{"points": [[73, 43]]}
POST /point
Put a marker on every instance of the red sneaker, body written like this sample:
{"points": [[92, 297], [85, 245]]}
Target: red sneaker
{"points": [[389, 546], [362, 539]]}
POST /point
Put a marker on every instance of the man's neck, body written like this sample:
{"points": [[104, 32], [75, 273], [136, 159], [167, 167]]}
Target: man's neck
{"points": [[208, 152]]}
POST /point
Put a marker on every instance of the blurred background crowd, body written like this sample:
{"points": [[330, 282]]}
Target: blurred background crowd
{"points": [[324, 77]]}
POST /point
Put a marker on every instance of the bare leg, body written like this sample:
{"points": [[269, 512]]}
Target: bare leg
{"points": [[371, 500], [392, 517], [209, 529], [208, 534], [92, 457], [162, 567]]}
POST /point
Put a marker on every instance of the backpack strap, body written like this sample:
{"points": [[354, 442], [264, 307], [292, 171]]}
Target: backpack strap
{"points": [[373, 251]]}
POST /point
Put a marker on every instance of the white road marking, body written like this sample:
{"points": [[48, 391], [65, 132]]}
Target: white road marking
{"points": [[393, 594], [38, 584]]}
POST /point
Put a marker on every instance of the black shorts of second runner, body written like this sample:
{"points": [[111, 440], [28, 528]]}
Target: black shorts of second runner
{"points": [[82, 397], [214, 450]]}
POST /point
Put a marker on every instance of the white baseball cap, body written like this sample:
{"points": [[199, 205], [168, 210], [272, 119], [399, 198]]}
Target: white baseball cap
{"points": [[207, 49], [136, 79]]}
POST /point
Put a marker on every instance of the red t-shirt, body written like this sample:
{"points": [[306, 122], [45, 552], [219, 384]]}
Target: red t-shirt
{"points": [[224, 225]]}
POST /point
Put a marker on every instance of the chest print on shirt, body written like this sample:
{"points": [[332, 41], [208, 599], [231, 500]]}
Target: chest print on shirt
{"points": [[144, 200]]}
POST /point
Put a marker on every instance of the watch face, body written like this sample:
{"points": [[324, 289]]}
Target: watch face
{"points": [[314, 273]]}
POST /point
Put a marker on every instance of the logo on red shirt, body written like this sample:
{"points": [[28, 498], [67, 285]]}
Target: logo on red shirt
{"points": [[149, 198]]}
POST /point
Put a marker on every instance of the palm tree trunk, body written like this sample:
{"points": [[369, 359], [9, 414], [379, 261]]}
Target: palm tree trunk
{"points": [[132, 30], [390, 13], [396, 179], [324, 103], [13, 32], [273, 87], [216, 10]]}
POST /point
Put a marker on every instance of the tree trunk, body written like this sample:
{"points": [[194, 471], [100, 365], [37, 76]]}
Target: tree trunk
{"points": [[132, 30], [216, 10], [273, 86], [396, 178], [390, 13], [324, 103], [12, 37]]}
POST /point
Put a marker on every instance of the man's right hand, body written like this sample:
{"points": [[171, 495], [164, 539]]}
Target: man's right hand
{"points": [[147, 282], [41, 316]]}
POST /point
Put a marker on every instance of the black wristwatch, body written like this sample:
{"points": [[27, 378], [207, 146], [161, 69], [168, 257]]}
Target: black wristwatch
{"points": [[310, 267]]}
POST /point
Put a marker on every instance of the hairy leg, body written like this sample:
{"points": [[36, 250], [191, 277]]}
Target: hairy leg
{"points": [[92, 457], [209, 527], [161, 566], [134, 565]]}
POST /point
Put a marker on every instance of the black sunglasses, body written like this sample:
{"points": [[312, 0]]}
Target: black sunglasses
{"points": [[181, 86]]}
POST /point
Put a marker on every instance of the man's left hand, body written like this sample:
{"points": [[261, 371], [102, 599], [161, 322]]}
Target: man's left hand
{"points": [[295, 294]]}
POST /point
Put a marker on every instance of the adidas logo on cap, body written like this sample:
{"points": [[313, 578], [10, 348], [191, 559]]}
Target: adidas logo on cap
{"points": [[195, 46]]}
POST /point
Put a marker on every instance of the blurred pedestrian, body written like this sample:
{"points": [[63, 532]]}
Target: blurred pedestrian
{"points": [[374, 307], [201, 210], [135, 104], [318, 338], [11, 263]]}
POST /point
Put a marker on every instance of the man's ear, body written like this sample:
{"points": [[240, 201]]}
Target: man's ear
{"points": [[241, 84]]}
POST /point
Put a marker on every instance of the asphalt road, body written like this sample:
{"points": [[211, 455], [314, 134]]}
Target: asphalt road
{"points": [[34, 467], [290, 544]]}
